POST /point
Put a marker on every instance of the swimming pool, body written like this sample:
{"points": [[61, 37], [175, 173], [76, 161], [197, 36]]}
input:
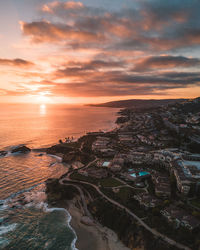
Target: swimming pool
{"points": [[143, 173]]}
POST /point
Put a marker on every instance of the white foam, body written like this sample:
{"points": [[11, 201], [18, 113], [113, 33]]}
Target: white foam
{"points": [[47, 209], [8, 154], [6, 229], [53, 164], [57, 157], [35, 197], [3, 207], [44, 206]]}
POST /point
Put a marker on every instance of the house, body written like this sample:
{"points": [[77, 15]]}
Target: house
{"points": [[180, 217], [171, 125], [183, 183], [162, 185], [162, 191], [147, 200], [100, 143]]}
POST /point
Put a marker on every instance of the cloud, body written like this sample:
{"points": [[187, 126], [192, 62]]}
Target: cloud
{"points": [[77, 69], [137, 50], [15, 62], [164, 62], [151, 25], [116, 82], [56, 6], [70, 9], [43, 31]]}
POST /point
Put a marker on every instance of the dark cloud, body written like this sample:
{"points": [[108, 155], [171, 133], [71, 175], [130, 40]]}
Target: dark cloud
{"points": [[76, 68], [164, 62], [15, 62], [117, 83]]}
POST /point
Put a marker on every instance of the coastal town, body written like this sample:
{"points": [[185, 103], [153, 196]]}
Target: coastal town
{"points": [[147, 169]]}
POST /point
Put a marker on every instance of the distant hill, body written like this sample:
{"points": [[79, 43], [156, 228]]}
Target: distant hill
{"points": [[137, 103], [191, 106]]}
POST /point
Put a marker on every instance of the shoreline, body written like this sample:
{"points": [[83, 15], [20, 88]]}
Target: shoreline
{"points": [[92, 237]]}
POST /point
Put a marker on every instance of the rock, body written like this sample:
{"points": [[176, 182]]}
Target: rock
{"points": [[21, 149], [87, 221], [3, 153], [59, 148], [57, 192], [75, 156], [40, 155]]}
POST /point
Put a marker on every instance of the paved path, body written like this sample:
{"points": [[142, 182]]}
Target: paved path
{"points": [[145, 188], [141, 222]]}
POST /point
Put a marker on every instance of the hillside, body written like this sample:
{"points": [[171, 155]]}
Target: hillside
{"points": [[137, 103]]}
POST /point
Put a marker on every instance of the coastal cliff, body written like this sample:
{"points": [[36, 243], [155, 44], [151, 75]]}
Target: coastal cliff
{"points": [[127, 230]]}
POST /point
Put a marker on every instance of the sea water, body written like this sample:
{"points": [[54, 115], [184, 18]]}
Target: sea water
{"points": [[26, 221]]}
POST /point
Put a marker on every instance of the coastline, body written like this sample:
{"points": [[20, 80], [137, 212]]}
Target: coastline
{"points": [[95, 237]]}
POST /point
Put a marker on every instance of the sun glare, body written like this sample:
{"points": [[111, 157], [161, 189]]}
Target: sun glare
{"points": [[43, 99]]}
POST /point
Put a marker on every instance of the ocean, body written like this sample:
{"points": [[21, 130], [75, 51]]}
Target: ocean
{"points": [[26, 222]]}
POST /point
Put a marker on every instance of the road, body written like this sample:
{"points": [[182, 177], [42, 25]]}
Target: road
{"points": [[127, 185]]}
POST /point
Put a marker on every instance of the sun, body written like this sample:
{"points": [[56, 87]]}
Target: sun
{"points": [[42, 98]]}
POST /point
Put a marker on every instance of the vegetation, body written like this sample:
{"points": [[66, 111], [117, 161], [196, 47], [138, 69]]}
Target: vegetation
{"points": [[195, 203], [56, 193], [86, 141], [128, 231], [80, 177], [110, 182], [124, 194]]}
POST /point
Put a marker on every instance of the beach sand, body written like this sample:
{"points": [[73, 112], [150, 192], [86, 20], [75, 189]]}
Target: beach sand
{"points": [[94, 237]]}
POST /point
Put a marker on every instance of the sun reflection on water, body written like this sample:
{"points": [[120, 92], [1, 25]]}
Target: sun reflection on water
{"points": [[43, 110]]}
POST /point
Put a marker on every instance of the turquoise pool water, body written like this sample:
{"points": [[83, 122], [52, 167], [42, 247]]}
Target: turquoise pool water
{"points": [[143, 173]]}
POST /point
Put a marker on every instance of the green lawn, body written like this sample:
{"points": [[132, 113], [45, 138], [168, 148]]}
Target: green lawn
{"points": [[124, 194], [195, 203], [80, 177], [110, 182]]}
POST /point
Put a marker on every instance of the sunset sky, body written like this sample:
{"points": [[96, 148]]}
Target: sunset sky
{"points": [[95, 51]]}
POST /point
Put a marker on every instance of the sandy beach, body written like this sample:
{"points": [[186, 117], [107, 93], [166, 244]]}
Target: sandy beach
{"points": [[94, 237]]}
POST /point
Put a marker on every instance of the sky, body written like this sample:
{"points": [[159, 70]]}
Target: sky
{"points": [[93, 51]]}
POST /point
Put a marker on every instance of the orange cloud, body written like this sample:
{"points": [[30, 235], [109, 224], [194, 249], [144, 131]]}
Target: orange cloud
{"points": [[44, 31], [64, 5]]}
